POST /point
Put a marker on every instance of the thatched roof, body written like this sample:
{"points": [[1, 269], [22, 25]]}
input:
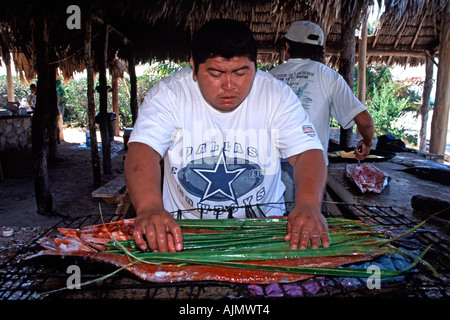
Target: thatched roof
{"points": [[409, 27], [163, 29]]}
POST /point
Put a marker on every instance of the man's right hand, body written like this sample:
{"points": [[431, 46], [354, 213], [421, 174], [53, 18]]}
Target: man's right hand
{"points": [[161, 231], [153, 223]]}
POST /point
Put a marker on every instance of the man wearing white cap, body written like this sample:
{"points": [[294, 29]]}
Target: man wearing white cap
{"points": [[321, 90]]}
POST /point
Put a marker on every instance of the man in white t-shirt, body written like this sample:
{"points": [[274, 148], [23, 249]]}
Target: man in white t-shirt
{"points": [[322, 91], [221, 128]]}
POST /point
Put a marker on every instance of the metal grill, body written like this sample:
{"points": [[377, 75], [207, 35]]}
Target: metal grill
{"points": [[39, 278]]}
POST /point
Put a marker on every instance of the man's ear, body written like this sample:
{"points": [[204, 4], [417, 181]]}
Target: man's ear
{"points": [[194, 75], [287, 55]]}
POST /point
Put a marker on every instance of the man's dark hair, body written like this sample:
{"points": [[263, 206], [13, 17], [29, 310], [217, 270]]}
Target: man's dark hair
{"points": [[306, 51], [225, 38]]}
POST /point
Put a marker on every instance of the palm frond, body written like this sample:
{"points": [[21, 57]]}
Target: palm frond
{"points": [[257, 243]]}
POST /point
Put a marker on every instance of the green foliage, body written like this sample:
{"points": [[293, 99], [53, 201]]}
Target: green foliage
{"points": [[386, 106], [387, 100], [74, 102], [75, 98], [376, 77], [159, 70], [266, 67]]}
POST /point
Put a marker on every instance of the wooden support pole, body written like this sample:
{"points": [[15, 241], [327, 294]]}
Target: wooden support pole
{"points": [[133, 84], [115, 102], [349, 17], [43, 195], [9, 79], [425, 106], [91, 105], [439, 122], [103, 114], [111, 29], [362, 58], [132, 72], [6, 56], [52, 131]]}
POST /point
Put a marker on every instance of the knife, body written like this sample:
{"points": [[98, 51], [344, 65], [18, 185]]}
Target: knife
{"points": [[360, 150]]}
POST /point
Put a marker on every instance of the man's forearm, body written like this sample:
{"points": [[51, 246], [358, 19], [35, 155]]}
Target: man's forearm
{"points": [[366, 128], [310, 176], [143, 177]]}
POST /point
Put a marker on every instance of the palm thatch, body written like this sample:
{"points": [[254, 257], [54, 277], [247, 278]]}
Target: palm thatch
{"points": [[408, 28], [163, 29]]}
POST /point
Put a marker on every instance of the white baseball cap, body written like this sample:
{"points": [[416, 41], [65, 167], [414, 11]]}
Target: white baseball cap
{"points": [[305, 32]]}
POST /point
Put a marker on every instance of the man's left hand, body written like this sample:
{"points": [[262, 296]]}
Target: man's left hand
{"points": [[306, 224]]}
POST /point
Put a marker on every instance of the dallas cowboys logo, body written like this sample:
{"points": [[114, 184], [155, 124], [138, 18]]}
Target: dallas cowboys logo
{"points": [[219, 179]]}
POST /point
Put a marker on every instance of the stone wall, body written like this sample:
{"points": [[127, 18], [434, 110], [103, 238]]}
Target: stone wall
{"points": [[15, 132]]}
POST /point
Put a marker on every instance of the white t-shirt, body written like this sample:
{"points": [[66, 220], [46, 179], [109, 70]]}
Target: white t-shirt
{"points": [[214, 160], [322, 92]]}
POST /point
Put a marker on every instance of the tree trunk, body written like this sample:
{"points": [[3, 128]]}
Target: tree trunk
{"points": [[103, 115], [439, 122], [425, 106], [43, 195], [91, 106]]}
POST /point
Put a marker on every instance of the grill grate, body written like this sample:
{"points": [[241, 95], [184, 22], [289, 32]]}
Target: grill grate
{"points": [[33, 279]]}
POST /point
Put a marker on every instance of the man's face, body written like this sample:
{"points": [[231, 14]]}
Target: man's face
{"points": [[225, 83]]}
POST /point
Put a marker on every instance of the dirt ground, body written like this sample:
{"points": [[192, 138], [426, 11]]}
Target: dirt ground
{"points": [[71, 185]]}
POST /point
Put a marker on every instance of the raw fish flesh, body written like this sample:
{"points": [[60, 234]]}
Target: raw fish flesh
{"points": [[367, 177]]}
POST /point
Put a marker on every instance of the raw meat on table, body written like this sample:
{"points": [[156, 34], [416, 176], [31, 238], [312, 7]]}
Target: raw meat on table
{"points": [[367, 177]]}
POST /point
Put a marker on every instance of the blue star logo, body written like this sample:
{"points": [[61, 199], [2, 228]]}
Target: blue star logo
{"points": [[219, 180]]}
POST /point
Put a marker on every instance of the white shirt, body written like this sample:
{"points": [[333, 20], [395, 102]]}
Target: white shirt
{"points": [[215, 160], [323, 92]]}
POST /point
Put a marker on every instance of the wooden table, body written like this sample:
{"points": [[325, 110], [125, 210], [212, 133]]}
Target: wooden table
{"points": [[399, 192]]}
